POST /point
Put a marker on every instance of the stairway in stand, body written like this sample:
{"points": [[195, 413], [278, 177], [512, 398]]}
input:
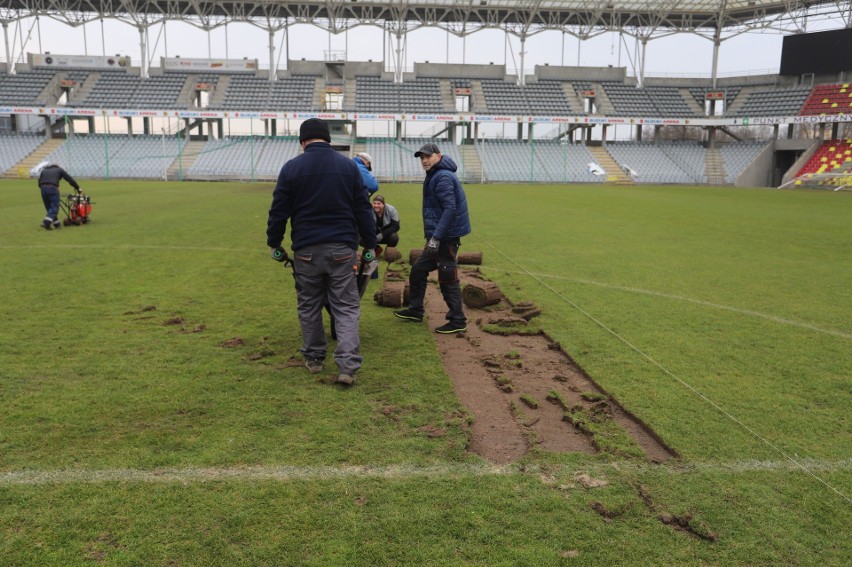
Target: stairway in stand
{"points": [[21, 170], [614, 173], [180, 166], [470, 169], [714, 167]]}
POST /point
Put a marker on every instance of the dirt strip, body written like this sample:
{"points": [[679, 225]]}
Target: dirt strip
{"points": [[507, 382]]}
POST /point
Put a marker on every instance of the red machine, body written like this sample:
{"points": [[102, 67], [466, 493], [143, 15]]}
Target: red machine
{"points": [[78, 209]]}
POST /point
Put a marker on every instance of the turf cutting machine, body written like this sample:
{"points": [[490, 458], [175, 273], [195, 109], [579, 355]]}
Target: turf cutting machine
{"points": [[77, 208]]}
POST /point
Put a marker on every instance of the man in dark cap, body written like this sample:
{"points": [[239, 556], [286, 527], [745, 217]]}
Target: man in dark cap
{"points": [[445, 221], [48, 182], [323, 195]]}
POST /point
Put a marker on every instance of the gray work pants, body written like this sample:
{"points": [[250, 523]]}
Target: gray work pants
{"points": [[326, 271]]}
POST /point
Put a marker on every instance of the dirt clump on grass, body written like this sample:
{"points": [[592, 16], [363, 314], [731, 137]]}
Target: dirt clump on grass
{"points": [[524, 392]]}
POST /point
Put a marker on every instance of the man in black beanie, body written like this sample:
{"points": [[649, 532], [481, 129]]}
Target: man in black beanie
{"points": [[323, 196]]}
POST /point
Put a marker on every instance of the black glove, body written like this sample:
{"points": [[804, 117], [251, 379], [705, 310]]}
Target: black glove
{"points": [[280, 255], [431, 250]]}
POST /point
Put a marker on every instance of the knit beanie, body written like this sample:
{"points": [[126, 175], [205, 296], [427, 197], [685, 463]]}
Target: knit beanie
{"points": [[313, 129]]}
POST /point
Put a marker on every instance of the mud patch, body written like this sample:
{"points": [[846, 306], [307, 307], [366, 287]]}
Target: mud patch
{"points": [[683, 523], [525, 393], [233, 343]]}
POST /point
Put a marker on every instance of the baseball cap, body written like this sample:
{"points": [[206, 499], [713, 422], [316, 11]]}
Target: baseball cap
{"points": [[368, 158], [427, 150]]}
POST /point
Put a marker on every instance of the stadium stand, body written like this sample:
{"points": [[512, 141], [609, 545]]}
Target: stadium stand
{"points": [[243, 158], [159, 91], [833, 156], [668, 102], [738, 156], [547, 98], [699, 93], [652, 163], [226, 158], [116, 155], [771, 102], [15, 147], [394, 160], [627, 100], [829, 99], [542, 161], [552, 93], [247, 92], [417, 96], [502, 97], [558, 162], [689, 156], [26, 87], [276, 152]]}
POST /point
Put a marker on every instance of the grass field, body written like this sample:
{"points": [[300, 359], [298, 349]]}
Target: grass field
{"points": [[130, 435]]}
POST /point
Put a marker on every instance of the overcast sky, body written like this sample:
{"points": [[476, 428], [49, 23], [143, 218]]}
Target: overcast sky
{"points": [[680, 54]]}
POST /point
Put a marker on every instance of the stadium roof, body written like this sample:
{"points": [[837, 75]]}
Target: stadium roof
{"points": [[583, 18]]}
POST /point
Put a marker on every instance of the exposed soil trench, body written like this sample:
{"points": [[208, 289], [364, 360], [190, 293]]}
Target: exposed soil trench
{"points": [[499, 378]]}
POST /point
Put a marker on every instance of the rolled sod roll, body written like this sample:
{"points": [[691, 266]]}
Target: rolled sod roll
{"points": [[479, 295]]}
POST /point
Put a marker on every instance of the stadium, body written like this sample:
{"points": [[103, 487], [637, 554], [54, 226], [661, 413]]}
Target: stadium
{"points": [[189, 118], [657, 371]]}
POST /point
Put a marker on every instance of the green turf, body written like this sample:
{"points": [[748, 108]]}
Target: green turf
{"points": [[661, 293]]}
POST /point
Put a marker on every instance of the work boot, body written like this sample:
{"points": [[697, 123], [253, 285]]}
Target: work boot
{"points": [[409, 315], [45, 224], [314, 365], [452, 327], [57, 225], [345, 379]]}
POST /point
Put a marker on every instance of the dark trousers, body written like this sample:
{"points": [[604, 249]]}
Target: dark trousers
{"points": [[50, 197], [448, 279], [391, 240]]}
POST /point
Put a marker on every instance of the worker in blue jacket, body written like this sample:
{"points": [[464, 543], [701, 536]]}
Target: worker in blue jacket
{"points": [[323, 196], [445, 221], [364, 161]]}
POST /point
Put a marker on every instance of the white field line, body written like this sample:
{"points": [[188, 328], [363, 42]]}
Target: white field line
{"points": [[401, 472], [768, 317]]}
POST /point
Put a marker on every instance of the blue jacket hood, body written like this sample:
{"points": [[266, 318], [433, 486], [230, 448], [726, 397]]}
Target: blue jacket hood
{"points": [[445, 163]]}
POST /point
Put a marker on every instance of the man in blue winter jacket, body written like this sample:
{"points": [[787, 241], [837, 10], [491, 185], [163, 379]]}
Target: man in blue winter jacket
{"points": [[445, 221], [364, 161], [322, 194]]}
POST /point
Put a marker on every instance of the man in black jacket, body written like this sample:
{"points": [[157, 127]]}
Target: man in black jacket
{"points": [[323, 196], [48, 182]]}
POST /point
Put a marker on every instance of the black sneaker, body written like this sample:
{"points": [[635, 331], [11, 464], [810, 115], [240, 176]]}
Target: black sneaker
{"points": [[46, 225], [451, 327], [409, 315]]}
